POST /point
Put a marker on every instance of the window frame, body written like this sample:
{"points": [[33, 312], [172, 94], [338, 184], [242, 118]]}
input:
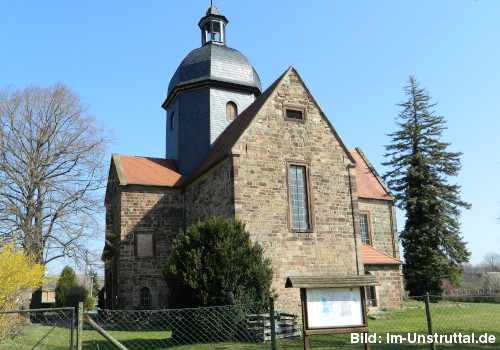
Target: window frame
{"points": [[310, 211], [368, 226], [297, 109], [153, 243], [149, 298], [235, 106]]}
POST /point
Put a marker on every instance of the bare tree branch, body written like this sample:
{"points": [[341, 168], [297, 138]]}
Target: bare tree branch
{"points": [[51, 166]]}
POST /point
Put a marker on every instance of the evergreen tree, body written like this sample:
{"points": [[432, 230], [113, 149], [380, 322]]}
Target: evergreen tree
{"points": [[95, 284], [420, 167], [215, 263], [66, 281]]}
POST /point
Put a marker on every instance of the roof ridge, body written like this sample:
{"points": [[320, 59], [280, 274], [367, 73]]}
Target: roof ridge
{"points": [[125, 155]]}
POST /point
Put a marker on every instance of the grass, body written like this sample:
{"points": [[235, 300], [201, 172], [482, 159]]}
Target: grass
{"points": [[447, 318]]}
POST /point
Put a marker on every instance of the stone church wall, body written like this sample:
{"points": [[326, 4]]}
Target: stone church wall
{"points": [[211, 195], [389, 292], [382, 222], [146, 210], [261, 192]]}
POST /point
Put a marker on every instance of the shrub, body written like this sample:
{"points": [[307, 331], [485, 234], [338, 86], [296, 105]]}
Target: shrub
{"points": [[214, 263], [77, 294], [19, 276]]}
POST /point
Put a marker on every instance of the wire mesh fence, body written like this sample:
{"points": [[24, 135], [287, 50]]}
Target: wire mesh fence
{"points": [[462, 324], [165, 329], [470, 322], [37, 329]]}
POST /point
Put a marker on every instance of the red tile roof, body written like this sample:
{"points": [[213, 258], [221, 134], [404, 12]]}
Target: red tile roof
{"points": [[368, 183], [374, 256], [150, 171]]}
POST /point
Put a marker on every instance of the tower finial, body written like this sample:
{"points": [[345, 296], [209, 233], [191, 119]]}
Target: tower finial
{"points": [[212, 2]]}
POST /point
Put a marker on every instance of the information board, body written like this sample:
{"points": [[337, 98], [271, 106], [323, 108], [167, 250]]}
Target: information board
{"points": [[334, 307]]}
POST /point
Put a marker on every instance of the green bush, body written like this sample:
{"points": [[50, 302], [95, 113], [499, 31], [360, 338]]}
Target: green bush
{"points": [[65, 282], [78, 294], [215, 263]]}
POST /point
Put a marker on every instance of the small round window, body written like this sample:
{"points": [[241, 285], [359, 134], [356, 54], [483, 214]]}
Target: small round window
{"points": [[231, 110]]}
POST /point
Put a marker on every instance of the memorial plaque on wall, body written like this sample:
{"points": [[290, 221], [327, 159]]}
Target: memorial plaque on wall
{"points": [[144, 246]]}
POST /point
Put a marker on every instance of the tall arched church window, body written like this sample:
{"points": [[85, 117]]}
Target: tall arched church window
{"points": [[145, 298], [231, 110]]}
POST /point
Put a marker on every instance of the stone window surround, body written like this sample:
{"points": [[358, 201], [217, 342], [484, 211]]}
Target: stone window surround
{"points": [[307, 165], [294, 108], [368, 224], [153, 233]]}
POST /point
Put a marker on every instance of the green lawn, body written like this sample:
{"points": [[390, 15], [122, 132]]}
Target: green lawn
{"points": [[447, 318]]}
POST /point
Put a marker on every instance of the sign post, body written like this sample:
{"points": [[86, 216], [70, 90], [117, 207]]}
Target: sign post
{"points": [[333, 305]]}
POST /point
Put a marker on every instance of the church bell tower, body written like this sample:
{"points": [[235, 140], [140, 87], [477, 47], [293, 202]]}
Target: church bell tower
{"points": [[209, 89]]}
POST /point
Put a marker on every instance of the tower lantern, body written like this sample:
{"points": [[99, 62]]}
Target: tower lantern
{"points": [[213, 27]]}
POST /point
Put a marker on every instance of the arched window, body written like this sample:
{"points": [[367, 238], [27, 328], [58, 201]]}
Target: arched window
{"points": [[145, 298], [231, 110]]}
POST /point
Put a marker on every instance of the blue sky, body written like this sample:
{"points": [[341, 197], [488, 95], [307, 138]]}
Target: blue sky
{"points": [[355, 56]]}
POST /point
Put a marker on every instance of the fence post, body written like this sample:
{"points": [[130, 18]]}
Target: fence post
{"points": [[429, 319], [72, 328], [79, 331], [273, 325]]}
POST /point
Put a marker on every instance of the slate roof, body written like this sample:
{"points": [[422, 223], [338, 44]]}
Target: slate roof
{"points": [[374, 256], [215, 62], [368, 182], [149, 171]]}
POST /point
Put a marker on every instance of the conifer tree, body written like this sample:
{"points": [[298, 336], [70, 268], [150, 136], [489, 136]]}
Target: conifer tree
{"points": [[64, 284], [95, 284], [215, 263], [420, 169]]}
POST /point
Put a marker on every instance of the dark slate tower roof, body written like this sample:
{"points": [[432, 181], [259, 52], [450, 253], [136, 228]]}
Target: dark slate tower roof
{"points": [[214, 62]]}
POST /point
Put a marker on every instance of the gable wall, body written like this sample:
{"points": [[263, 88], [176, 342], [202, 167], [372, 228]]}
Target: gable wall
{"points": [[261, 192], [147, 209]]}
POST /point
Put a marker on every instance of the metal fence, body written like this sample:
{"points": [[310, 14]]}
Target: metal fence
{"points": [[422, 324], [471, 322], [165, 329], [37, 329]]}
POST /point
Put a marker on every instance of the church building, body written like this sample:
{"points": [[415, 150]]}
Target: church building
{"points": [[271, 159]]}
